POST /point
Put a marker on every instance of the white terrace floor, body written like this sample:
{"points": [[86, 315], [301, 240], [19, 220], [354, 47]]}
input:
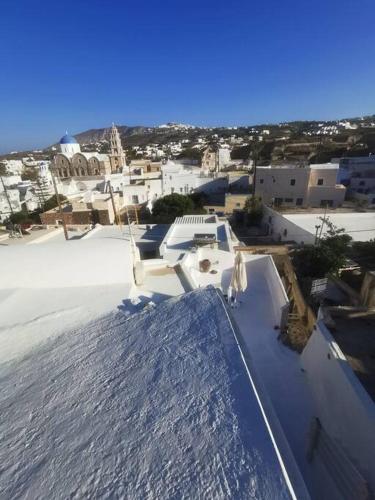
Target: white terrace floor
{"points": [[279, 370]]}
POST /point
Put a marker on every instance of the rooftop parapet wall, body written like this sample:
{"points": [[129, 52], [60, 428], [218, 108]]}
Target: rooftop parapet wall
{"points": [[345, 409]]}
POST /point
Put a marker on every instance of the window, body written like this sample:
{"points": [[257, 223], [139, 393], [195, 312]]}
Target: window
{"points": [[299, 202], [181, 190], [288, 200], [285, 232], [172, 190], [238, 205], [278, 201], [361, 183], [292, 182], [320, 182], [261, 181], [135, 200]]}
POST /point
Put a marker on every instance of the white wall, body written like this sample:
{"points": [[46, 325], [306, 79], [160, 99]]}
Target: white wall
{"points": [[291, 183], [276, 183], [277, 225], [70, 149], [179, 180], [10, 180], [343, 406], [280, 301], [135, 190], [14, 198], [150, 191], [13, 166]]}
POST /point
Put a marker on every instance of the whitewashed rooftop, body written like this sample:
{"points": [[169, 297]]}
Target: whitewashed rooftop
{"points": [[155, 405], [180, 237], [359, 225]]}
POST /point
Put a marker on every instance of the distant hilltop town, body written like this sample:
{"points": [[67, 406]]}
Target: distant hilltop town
{"points": [[102, 172], [316, 142]]}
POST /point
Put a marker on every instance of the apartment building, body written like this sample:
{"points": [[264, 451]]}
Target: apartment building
{"points": [[306, 186]]}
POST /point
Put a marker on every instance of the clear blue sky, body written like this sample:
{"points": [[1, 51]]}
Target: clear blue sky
{"points": [[85, 63]]}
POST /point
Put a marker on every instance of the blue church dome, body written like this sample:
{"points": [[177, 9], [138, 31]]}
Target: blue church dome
{"points": [[68, 139]]}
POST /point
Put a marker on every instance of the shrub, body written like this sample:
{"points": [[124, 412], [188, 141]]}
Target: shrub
{"points": [[254, 210]]}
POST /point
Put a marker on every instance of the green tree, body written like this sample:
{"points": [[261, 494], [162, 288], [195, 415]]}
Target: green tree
{"points": [[191, 153], [254, 210], [174, 205], [53, 202], [25, 218], [336, 239], [316, 261], [327, 257]]}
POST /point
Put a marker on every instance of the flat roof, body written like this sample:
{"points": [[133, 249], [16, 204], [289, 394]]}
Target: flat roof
{"points": [[159, 403], [359, 225], [181, 234]]}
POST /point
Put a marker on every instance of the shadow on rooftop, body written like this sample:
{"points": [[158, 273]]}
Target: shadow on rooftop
{"points": [[156, 232], [138, 304]]}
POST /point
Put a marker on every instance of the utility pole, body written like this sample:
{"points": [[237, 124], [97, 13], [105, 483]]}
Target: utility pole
{"points": [[255, 162], [217, 160], [316, 234], [323, 222], [118, 223], [60, 207], [7, 196]]}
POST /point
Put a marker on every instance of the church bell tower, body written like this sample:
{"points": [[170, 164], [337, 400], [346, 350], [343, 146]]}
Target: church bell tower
{"points": [[117, 156]]}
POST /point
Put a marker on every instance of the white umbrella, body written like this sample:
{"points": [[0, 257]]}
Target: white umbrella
{"points": [[239, 277]]}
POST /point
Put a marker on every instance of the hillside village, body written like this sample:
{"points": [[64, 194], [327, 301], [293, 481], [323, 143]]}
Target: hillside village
{"points": [[257, 244]]}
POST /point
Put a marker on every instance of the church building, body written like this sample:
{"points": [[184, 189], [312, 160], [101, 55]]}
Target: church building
{"points": [[72, 162]]}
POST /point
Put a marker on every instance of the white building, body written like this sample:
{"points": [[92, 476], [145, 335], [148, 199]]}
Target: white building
{"points": [[9, 203], [10, 181], [13, 167], [172, 328], [302, 228], [314, 186], [181, 179], [161, 375]]}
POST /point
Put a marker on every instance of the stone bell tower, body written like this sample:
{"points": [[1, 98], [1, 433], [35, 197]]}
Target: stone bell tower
{"points": [[117, 156]]}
